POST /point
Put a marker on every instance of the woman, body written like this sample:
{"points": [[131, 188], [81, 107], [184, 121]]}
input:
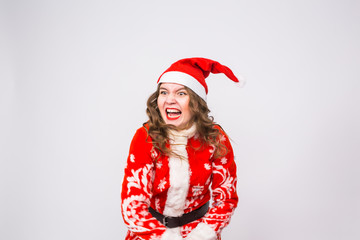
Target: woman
{"points": [[179, 161]]}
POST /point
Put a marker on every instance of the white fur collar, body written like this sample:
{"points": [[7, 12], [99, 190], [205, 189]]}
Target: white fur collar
{"points": [[175, 135], [179, 175]]}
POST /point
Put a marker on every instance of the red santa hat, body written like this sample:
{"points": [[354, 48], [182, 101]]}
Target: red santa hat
{"points": [[191, 72]]}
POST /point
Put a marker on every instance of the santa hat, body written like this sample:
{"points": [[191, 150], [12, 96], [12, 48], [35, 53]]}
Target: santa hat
{"points": [[191, 72]]}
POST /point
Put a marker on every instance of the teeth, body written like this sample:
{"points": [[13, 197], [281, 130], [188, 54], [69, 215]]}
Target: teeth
{"points": [[172, 111]]}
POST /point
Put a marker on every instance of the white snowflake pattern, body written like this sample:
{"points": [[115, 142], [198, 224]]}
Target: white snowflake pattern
{"points": [[159, 164], [224, 160], [189, 202], [212, 150], [222, 138], [207, 166], [190, 172], [132, 158], [162, 184], [197, 190], [157, 204], [153, 153]]}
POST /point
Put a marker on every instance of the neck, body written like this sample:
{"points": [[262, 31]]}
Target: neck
{"points": [[188, 132]]}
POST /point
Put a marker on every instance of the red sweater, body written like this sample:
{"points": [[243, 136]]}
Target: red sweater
{"points": [[174, 186]]}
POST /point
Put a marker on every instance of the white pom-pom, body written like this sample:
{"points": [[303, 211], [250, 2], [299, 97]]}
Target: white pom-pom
{"points": [[242, 80]]}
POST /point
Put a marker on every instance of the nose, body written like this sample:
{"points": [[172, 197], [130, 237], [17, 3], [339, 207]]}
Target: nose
{"points": [[170, 99]]}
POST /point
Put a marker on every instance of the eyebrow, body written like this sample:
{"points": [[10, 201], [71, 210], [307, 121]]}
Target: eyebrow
{"points": [[180, 89]]}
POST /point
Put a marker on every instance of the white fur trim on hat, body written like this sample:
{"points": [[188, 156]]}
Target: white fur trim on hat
{"points": [[202, 232], [184, 79]]}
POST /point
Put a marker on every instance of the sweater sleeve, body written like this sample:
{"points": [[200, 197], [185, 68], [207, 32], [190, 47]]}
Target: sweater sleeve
{"points": [[224, 196], [137, 190]]}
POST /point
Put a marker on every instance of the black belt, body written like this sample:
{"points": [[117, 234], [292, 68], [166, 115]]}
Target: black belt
{"points": [[173, 222]]}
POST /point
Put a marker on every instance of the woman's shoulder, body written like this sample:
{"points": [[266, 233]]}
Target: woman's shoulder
{"points": [[142, 132], [218, 127], [222, 136], [141, 144]]}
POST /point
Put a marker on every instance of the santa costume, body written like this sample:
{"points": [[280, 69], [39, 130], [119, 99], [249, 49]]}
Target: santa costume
{"points": [[158, 189]]}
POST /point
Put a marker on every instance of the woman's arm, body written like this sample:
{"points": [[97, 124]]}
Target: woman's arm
{"points": [[136, 190], [224, 196]]}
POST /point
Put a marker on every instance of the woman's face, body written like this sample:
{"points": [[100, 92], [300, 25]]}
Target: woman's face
{"points": [[173, 103]]}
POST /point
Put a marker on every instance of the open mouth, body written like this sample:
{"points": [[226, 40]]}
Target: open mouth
{"points": [[172, 113]]}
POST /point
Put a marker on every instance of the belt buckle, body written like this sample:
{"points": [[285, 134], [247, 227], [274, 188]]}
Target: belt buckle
{"points": [[165, 220]]}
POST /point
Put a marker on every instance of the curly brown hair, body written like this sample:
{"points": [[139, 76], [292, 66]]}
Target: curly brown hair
{"points": [[158, 129]]}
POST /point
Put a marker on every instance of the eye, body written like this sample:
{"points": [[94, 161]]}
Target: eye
{"points": [[163, 92], [182, 93]]}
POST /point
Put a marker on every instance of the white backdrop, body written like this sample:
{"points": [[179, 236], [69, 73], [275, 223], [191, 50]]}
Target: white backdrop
{"points": [[75, 76]]}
